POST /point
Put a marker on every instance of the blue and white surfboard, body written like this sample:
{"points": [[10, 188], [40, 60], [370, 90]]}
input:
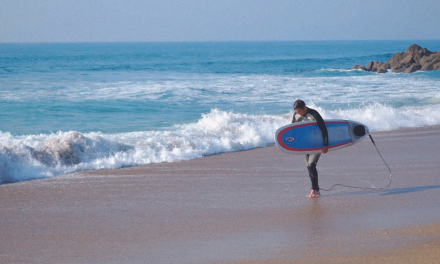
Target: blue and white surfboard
{"points": [[306, 137]]}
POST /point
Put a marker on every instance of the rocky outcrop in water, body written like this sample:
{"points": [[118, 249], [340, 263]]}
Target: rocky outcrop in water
{"points": [[415, 58]]}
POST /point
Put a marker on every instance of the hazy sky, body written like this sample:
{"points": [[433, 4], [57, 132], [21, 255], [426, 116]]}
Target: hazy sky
{"points": [[217, 20]]}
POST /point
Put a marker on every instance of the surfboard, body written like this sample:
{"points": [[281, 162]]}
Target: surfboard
{"points": [[306, 137]]}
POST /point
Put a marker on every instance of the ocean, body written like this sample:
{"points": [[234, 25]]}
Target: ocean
{"points": [[68, 107]]}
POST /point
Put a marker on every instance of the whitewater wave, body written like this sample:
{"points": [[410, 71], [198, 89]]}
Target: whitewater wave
{"points": [[380, 117], [47, 155], [39, 156]]}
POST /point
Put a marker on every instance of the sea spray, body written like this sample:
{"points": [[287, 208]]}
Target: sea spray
{"points": [[380, 117], [38, 156], [45, 155]]}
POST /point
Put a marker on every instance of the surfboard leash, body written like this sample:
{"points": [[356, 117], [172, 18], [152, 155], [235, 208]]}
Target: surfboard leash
{"points": [[367, 188]]}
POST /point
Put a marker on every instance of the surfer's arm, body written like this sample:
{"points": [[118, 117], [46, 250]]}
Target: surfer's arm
{"points": [[293, 118], [321, 125]]}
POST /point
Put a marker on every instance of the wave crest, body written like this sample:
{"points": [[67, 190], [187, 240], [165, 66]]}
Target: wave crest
{"points": [[39, 156]]}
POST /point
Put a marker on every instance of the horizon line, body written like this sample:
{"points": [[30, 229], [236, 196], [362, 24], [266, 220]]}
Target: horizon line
{"points": [[204, 41]]}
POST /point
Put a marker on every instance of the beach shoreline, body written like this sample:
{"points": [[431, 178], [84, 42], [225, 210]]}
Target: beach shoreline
{"points": [[240, 207]]}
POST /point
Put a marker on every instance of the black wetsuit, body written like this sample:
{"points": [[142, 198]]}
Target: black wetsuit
{"points": [[312, 159]]}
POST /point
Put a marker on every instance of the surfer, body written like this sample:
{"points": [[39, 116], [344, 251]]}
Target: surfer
{"points": [[303, 113]]}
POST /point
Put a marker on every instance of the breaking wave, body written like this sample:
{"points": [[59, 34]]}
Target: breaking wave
{"points": [[28, 157]]}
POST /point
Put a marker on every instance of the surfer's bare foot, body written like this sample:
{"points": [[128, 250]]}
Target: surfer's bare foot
{"points": [[314, 194]]}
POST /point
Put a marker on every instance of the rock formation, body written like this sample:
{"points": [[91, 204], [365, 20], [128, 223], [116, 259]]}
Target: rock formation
{"points": [[415, 58]]}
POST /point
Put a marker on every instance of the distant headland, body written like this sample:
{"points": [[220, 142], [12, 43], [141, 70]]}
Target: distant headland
{"points": [[415, 58]]}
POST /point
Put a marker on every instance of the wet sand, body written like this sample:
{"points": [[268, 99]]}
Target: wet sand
{"points": [[242, 207]]}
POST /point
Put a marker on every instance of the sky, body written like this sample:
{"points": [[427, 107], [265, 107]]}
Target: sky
{"points": [[217, 20]]}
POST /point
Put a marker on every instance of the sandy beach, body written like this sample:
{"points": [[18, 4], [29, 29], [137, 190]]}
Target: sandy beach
{"points": [[242, 207]]}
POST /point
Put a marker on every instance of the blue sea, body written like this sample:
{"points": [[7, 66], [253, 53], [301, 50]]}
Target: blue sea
{"points": [[68, 107]]}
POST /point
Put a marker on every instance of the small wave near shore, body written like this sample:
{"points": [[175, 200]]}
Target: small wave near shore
{"points": [[27, 157]]}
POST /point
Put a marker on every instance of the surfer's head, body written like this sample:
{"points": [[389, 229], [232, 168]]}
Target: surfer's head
{"points": [[300, 107]]}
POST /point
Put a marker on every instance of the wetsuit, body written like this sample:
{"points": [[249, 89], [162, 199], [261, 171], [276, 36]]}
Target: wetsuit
{"points": [[312, 159]]}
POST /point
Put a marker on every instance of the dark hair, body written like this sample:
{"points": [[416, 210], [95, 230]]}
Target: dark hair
{"points": [[299, 104]]}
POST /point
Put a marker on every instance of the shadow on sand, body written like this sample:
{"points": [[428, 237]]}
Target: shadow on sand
{"points": [[390, 191], [409, 189]]}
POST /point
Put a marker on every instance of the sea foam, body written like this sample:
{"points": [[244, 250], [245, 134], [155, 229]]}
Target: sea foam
{"points": [[46, 155], [38, 156]]}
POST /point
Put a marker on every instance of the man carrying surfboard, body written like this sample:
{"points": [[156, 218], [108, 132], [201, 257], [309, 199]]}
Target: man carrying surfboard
{"points": [[303, 113]]}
